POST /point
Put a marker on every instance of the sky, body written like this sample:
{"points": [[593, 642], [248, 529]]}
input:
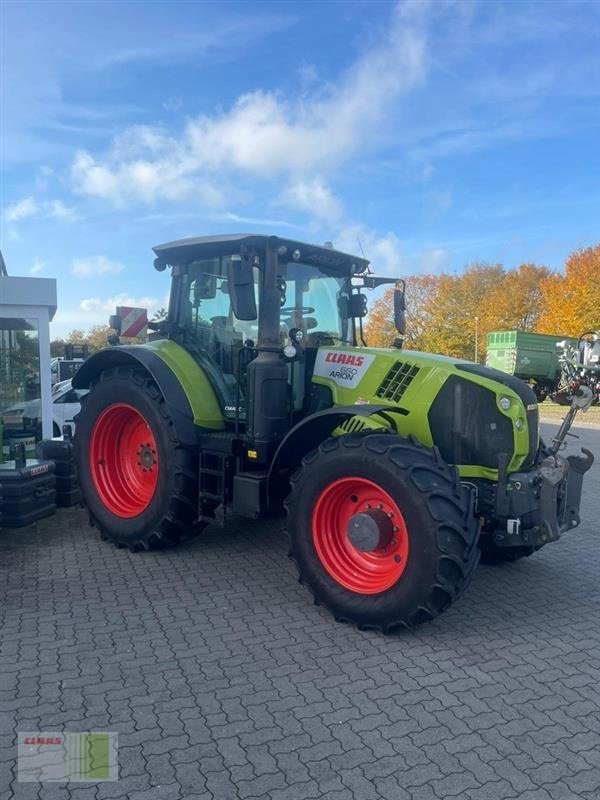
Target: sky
{"points": [[427, 135]]}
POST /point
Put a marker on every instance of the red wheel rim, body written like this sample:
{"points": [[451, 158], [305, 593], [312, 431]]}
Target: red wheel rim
{"points": [[362, 571], [124, 460]]}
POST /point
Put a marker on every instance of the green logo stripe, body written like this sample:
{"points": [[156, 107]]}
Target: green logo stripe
{"points": [[99, 756], [90, 756]]}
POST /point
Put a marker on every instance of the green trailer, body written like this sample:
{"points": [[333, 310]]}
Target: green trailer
{"points": [[533, 357]]}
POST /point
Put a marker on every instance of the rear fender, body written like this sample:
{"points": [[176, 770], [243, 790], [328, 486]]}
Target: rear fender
{"points": [[189, 396], [308, 434]]}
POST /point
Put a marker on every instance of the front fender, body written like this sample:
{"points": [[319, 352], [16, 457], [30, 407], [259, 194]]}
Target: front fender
{"points": [[308, 435], [182, 382]]}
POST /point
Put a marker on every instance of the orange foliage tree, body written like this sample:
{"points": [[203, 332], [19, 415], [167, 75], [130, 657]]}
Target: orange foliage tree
{"points": [[380, 330], [445, 312], [571, 302]]}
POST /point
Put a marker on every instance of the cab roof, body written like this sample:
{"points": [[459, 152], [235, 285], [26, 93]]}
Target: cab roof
{"points": [[185, 250]]}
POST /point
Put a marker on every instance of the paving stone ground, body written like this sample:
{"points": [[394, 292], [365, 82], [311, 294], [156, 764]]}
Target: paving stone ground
{"points": [[224, 681]]}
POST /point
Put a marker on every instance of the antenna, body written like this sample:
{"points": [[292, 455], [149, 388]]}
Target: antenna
{"points": [[3, 270], [369, 271]]}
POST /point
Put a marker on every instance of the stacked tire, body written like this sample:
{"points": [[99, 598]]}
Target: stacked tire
{"points": [[68, 492]]}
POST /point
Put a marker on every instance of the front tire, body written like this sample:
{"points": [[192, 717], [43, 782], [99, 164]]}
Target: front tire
{"points": [[419, 535], [138, 481]]}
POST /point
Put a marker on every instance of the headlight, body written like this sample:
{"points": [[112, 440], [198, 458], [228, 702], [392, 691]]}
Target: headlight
{"points": [[504, 403]]}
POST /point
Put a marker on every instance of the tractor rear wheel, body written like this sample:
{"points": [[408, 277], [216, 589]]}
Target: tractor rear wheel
{"points": [[138, 481], [381, 530]]}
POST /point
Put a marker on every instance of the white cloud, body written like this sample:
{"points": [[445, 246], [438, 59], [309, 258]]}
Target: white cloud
{"points": [[95, 305], [183, 44], [315, 196], [172, 103], [96, 311], [308, 74], [93, 266], [263, 134], [36, 267], [384, 251], [27, 207], [56, 209], [30, 207], [431, 260]]}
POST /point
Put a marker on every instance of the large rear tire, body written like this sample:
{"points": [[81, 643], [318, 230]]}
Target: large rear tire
{"points": [[138, 481], [381, 530]]}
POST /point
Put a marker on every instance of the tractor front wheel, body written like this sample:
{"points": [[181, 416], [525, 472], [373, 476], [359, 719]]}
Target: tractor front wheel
{"points": [[381, 530], [138, 481]]}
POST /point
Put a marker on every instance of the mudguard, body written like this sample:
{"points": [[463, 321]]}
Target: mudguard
{"points": [[309, 433], [184, 385]]}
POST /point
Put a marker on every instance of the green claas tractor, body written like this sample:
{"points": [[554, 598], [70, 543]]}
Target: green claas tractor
{"points": [[258, 393]]}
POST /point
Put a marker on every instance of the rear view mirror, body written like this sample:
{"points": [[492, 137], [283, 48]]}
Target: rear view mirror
{"points": [[400, 309], [240, 277]]}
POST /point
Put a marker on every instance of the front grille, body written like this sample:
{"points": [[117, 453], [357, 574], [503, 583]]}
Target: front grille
{"points": [[467, 426], [528, 398], [397, 381], [352, 425]]}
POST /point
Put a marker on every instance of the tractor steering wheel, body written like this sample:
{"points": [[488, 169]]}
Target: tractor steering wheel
{"points": [[295, 309]]}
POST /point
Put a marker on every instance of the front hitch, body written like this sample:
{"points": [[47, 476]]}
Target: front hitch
{"points": [[537, 506]]}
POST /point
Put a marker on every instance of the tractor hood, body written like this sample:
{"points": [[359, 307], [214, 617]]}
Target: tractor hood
{"points": [[472, 413]]}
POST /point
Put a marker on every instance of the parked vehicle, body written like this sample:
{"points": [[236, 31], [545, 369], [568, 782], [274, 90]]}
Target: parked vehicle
{"points": [[62, 369], [532, 357], [394, 467], [66, 404], [580, 366]]}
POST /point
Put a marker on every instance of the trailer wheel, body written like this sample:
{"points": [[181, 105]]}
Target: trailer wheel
{"points": [[381, 530], [541, 392], [138, 481]]}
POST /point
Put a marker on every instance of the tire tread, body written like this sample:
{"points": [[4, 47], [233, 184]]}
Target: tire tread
{"points": [[461, 522]]}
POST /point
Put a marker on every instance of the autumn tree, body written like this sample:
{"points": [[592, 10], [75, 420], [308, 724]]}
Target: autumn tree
{"points": [[516, 302], [380, 330], [459, 311], [571, 302], [57, 348], [446, 313], [95, 338]]}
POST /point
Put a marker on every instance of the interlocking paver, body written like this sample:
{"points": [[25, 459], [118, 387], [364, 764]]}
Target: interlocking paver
{"points": [[225, 682]]}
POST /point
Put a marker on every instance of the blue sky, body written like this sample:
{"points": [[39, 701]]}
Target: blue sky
{"points": [[436, 133]]}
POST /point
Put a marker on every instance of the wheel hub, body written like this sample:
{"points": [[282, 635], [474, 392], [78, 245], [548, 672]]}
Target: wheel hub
{"points": [[360, 535], [146, 457], [371, 530]]}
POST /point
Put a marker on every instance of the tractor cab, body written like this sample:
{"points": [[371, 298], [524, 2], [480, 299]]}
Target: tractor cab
{"points": [[254, 310]]}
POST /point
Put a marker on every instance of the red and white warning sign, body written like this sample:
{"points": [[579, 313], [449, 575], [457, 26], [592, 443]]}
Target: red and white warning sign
{"points": [[134, 321]]}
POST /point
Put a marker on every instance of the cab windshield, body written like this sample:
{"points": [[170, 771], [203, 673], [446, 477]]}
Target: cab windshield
{"points": [[310, 302]]}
